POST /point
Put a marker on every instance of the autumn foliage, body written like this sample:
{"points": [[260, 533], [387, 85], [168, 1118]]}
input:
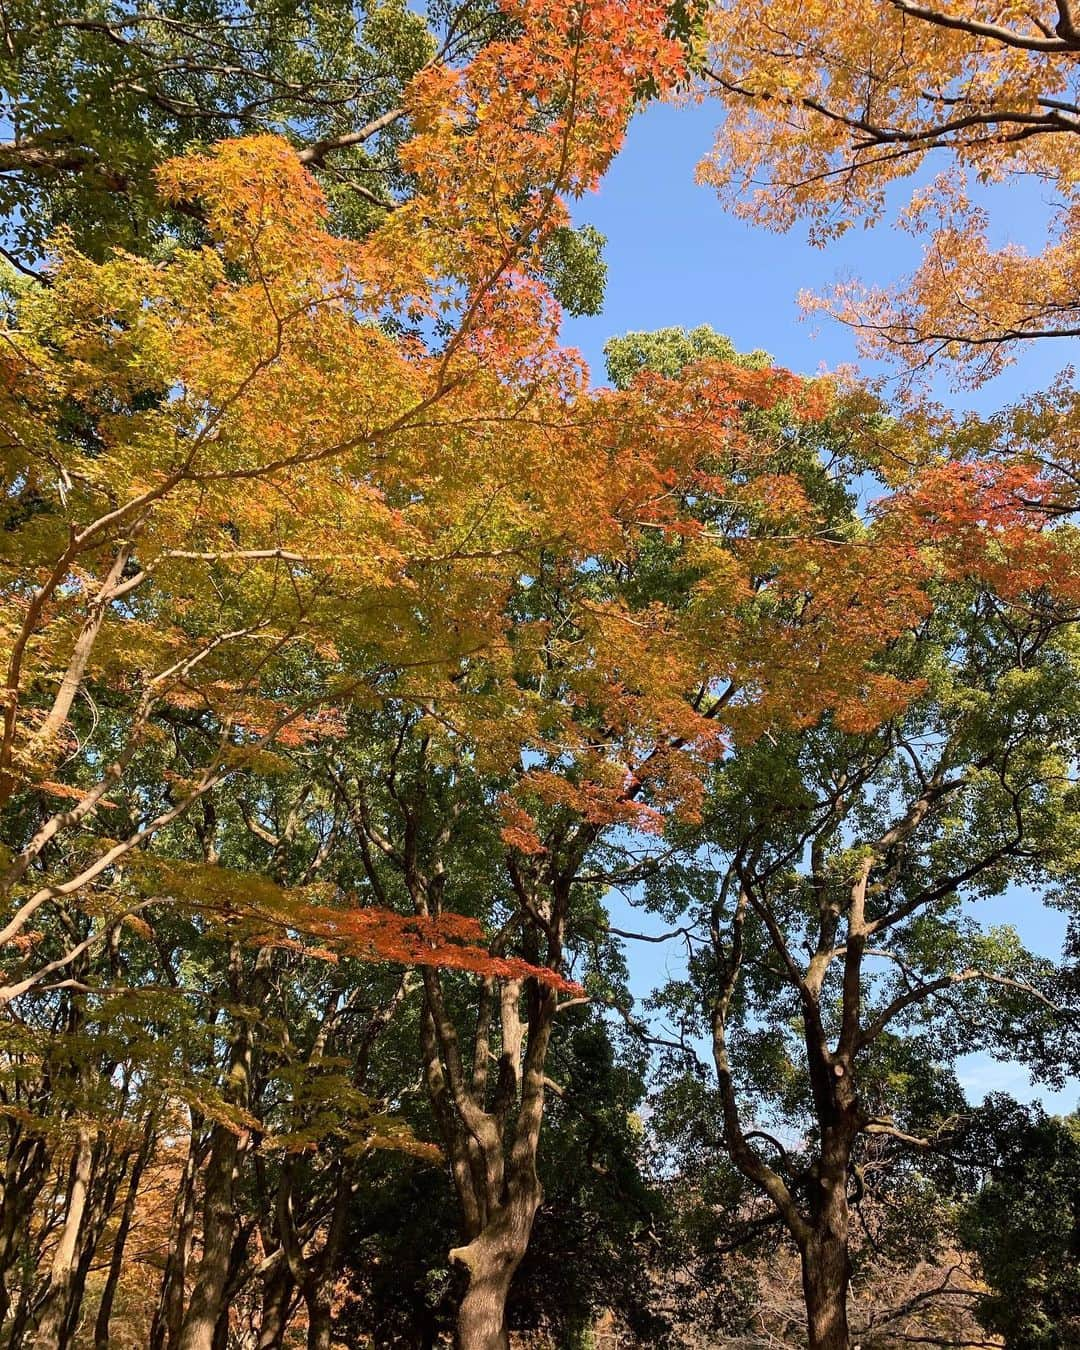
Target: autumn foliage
{"points": [[823, 120], [355, 641]]}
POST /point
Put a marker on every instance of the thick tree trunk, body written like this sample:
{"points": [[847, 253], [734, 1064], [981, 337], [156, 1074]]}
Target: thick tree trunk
{"points": [[219, 1224], [221, 1329], [825, 1275], [277, 1291], [319, 1335], [490, 1261], [51, 1320], [481, 1320]]}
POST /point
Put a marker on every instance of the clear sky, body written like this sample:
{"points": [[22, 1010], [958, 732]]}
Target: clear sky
{"points": [[676, 257]]}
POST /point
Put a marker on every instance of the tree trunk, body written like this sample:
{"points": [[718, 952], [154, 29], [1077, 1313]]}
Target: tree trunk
{"points": [[481, 1319], [168, 1315], [826, 1264], [219, 1223], [116, 1261], [277, 1292], [208, 1298], [237, 1277], [313, 1274], [319, 1322], [825, 1275], [107, 1172], [21, 1321], [221, 1327], [490, 1261], [24, 1176], [51, 1321]]}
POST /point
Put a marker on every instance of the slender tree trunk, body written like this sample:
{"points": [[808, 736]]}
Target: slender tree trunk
{"points": [[235, 1281], [20, 1323], [319, 1322], [116, 1260], [826, 1262], [208, 1298], [427, 1333], [168, 1315], [107, 1173], [313, 1275], [51, 1321], [24, 1175]]}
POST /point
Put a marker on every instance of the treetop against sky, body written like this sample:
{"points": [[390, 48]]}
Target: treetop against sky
{"points": [[676, 258]]}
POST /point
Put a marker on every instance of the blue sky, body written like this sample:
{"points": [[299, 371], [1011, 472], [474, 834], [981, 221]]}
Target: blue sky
{"points": [[676, 257]]}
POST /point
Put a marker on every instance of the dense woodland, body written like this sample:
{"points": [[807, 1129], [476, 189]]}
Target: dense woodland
{"points": [[360, 649]]}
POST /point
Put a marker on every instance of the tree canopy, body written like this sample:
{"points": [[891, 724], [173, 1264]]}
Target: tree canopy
{"points": [[360, 650], [822, 119]]}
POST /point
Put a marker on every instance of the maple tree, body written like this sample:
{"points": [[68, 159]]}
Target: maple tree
{"points": [[625, 694], [139, 396], [144, 84], [822, 119], [604, 749], [145, 398], [714, 625]]}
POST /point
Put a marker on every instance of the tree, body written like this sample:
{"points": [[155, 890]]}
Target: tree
{"points": [[668, 352], [353, 646], [823, 118], [126, 441], [365, 388], [143, 85], [885, 841], [1023, 1225], [597, 1235], [635, 661], [854, 839]]}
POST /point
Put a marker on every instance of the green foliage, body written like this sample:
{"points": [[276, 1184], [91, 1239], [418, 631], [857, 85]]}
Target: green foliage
{"points": [[141, 84], [1024, 1225], [598, 1239], [199, 1000], [575, 268], [668, 351], [601, 1236]]}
